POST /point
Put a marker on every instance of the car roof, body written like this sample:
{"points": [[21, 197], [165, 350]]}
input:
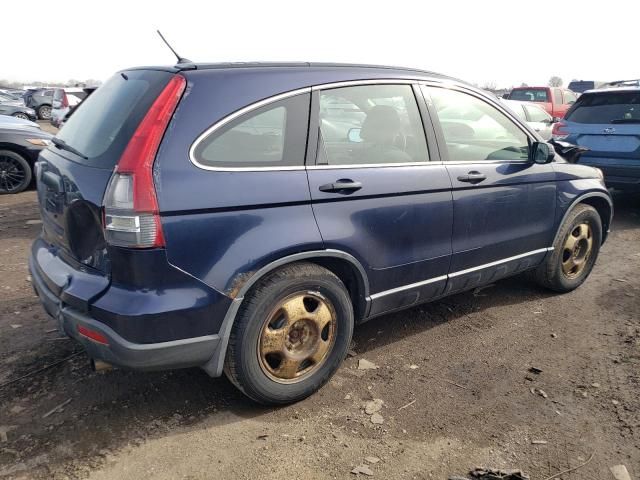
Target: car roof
{"points": [[612, 89], [310, 66]]}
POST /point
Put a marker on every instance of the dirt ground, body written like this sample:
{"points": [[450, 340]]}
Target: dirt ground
{"points": [[453, 375]]}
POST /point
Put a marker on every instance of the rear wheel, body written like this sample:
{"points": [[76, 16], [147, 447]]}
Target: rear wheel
{"points": [[291, 334], [15, 172], [44, 112], [21, 115], [575, 251]]}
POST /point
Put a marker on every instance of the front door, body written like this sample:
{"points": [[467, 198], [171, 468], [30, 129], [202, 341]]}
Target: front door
{"points": [[375, 193], [503, 204]]}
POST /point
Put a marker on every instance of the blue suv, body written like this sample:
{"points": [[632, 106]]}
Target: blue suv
{"points": [[607, 123], [244, 217]]}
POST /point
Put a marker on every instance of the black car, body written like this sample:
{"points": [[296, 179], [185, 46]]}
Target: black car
{"points": [[16, 108], [19, 149], [40, 99]]}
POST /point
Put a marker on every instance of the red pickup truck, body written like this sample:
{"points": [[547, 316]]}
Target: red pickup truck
{"points": [[556, 101]]}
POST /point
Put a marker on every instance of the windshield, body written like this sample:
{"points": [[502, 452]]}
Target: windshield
{"points": [[609, 107], [101, 126]]}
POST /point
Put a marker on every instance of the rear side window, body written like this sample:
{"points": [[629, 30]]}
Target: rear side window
{"points": [[274, 135], [603, 108], [102, 126], [530, 95], [370, 124]]}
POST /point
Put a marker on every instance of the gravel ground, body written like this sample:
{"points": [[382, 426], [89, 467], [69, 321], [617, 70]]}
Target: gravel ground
{"points": [[453, 377]]}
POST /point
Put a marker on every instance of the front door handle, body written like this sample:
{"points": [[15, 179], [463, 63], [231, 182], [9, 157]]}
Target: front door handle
{"points": [[472, 177], [344, 185]]}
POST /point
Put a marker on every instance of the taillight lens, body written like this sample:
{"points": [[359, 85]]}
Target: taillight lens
{"points": [[131, 214], [65, 100], [558, 132]]}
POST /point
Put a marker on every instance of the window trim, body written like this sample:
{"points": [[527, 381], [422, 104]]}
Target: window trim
{"points": [[444, 153], [436, 154]]}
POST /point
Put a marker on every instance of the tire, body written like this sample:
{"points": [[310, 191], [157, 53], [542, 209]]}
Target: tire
{"points": [[15, 172], [566, 269], [22, 115], [44, 112], [266, 316]]}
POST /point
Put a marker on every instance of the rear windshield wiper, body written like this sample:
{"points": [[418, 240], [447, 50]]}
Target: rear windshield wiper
{"points": [[63, 145], [626, 120]]}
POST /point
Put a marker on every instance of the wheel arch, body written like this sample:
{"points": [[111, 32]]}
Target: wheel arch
{"points": [[601, 201], [344, 265], [12, 147]]}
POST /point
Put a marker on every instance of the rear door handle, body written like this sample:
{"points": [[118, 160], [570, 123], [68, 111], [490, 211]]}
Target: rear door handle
{"points": [[472, 177], [344, 185]]}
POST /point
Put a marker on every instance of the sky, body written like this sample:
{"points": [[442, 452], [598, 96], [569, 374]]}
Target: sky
{"points": [[492, 41]]}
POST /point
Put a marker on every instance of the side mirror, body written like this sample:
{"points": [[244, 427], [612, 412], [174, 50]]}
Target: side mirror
{"points": [[541, 152], [555, 120], [354, 135]]}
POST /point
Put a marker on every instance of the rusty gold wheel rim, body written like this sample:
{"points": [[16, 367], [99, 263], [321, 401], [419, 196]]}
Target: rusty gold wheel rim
{"points": [[577, 250], [296, 337]]}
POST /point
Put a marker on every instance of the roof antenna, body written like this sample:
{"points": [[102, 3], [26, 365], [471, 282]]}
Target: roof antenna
{"points": [[180, 59]]}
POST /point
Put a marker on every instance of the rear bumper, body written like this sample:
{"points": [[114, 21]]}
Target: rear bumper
{"points": [[150, 356], [61, 288], [621, 174]]}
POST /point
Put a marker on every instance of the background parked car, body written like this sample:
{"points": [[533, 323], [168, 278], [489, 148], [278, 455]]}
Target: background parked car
{"points": [[556, 101], [19, 149], [13, 93], [15, 108], [65, 100], [18, 122], [607, 122], [40, 100], [534, 115]]}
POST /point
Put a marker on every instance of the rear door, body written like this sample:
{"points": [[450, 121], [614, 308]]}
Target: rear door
{"points": [[503, 204], [375, 192], [608, 124]]}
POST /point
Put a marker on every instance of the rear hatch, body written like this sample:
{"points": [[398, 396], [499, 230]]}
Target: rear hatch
{"points": [[608, 124], [74, 173]]}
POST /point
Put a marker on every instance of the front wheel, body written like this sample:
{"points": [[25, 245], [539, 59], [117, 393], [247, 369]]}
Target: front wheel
{"points": [[21, 115], [291, 334], [574, 252]]}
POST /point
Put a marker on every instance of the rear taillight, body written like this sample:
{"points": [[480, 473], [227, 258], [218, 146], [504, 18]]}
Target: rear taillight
{"points": [[131, 214], [558, 132], [65, 100]]}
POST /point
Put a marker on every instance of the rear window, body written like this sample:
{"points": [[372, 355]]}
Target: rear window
{"points": [[101, 126], [610, 107], [529, 95]]}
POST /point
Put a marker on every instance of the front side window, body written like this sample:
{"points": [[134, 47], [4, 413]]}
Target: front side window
{"points": [[557, 96], [530, 95], [271, 136], [370, 124], [537, 114], [475, 130]]}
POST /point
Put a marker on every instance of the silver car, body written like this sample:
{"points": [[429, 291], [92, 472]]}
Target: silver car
{"points": [[536, 116]]}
